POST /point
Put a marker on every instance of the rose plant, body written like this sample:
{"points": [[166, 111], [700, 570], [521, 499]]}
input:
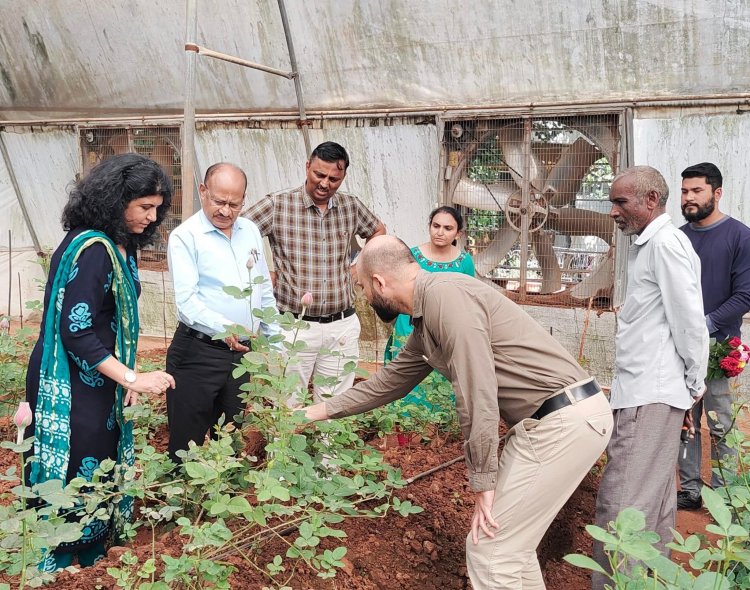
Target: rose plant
{"points": [[226, 503], [222, 503]]}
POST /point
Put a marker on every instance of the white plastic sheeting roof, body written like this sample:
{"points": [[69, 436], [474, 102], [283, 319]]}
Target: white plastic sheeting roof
{"points": [[107, 57]]}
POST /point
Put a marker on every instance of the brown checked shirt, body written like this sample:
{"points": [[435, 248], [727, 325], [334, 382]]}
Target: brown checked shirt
{"points": [[500, 361], [311, 250]]}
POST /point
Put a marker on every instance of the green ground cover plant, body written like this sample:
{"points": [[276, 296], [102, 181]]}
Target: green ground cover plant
{"points": [[720, 564], [222, 503]]}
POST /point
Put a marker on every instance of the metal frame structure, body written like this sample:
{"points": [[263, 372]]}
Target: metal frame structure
{"points": [[189, 177]]}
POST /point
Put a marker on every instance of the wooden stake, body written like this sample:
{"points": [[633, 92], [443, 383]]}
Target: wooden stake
{"points": [[20, 300], [585, 329], [10, 270], [164, 308]]}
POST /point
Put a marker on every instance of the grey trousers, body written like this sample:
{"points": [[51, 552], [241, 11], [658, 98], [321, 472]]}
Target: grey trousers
{"points": [[718, 398], [640, 472]]}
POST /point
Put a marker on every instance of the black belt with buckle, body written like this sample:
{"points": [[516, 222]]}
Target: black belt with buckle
{"points": [[326, 319], [561, 400], [188, 331]]}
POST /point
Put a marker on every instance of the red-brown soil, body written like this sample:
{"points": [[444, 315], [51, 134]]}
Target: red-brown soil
{"points": [[421, 552]]}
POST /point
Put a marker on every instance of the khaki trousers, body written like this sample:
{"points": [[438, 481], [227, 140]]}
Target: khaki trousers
{"points": [[540, 467]]}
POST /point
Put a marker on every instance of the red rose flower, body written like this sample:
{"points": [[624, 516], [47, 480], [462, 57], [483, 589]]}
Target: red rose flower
{"points": [[730, 366], [735, 354], [734, 342]]}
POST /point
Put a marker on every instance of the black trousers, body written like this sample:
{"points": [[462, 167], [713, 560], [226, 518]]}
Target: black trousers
{"points": [[205, 389]]}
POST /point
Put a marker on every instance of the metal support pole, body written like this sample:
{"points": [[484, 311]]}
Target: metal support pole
{"points": [[187, 162], [17, 190], [303, 122], [622, 242], [236, 60], [525, 200]]}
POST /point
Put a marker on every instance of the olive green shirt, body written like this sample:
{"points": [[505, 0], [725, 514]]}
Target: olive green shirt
{"points": [[500, 361]]}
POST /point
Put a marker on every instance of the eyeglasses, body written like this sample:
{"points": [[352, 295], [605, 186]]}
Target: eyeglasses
{"points": [[221, 204]]}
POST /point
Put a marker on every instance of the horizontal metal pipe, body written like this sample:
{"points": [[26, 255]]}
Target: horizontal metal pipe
{"points": [[200, 50], [444, 112]]}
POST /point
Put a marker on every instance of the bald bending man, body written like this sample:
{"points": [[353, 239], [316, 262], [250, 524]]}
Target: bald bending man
{"points": [[502, 364]]}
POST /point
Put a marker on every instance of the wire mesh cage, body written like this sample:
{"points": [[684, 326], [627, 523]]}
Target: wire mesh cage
{"points": [[535, 193], [161, 144]]}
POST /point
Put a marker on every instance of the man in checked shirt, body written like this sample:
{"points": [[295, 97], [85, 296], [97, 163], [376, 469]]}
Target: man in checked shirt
{"points": [[310, 229]]}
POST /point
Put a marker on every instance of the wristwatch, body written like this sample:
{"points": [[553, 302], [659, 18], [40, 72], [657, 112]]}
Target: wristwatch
{"points": [[130, 376]]}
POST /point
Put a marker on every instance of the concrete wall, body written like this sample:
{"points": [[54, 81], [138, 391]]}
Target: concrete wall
{"points": [[670, 140]]}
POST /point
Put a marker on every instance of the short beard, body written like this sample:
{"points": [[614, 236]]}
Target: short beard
{"points": [[385, 311], [701, 213]]}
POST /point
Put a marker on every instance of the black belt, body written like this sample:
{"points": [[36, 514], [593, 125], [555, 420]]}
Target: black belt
{"points": [[188, 331], [326, 319], [561, 400]]}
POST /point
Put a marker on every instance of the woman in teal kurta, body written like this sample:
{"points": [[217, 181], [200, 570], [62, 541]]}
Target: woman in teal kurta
{"points": [[440, 254]]}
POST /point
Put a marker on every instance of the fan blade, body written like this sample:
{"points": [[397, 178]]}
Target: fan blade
{"points": [[605, 137], [564, 182], [605, 134], [119, 143], [488, 197], [491, 256], [542, 242], [512, 146], [600, 281], [581, 222]]}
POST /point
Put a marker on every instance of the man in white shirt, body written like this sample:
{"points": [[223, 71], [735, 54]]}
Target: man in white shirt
{"points": [[212, 249], [661, 357]]}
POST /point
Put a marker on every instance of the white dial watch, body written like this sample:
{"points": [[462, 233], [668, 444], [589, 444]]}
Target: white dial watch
{"points": [[130, 376]]}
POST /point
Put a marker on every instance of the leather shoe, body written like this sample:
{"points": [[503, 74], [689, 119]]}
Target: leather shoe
{"points": [[688, 501]]}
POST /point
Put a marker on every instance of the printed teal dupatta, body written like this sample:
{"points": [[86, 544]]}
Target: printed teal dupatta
{"points": [[52, 442]]}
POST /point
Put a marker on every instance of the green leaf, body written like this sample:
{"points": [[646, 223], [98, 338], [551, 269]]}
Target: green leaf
{"points": [[255, 358], [677, 536], [600, 534], [716, 506], [711, 581], [298, 442], [195, 470], [234, 292], [279, 492], [639, 549], [692, 543], [585, 562], [239, 505], [630, 520], [338, 553], [736, 530]]}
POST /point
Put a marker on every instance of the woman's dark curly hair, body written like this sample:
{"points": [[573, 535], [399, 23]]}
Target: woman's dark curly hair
{"points": [[99, 200]]}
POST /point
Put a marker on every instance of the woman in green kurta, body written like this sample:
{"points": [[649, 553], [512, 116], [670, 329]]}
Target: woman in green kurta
{"points": [[440, 254]]}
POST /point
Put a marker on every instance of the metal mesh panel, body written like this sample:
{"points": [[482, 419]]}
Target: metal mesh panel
{"points": [[161, 144], [535, 193]]}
